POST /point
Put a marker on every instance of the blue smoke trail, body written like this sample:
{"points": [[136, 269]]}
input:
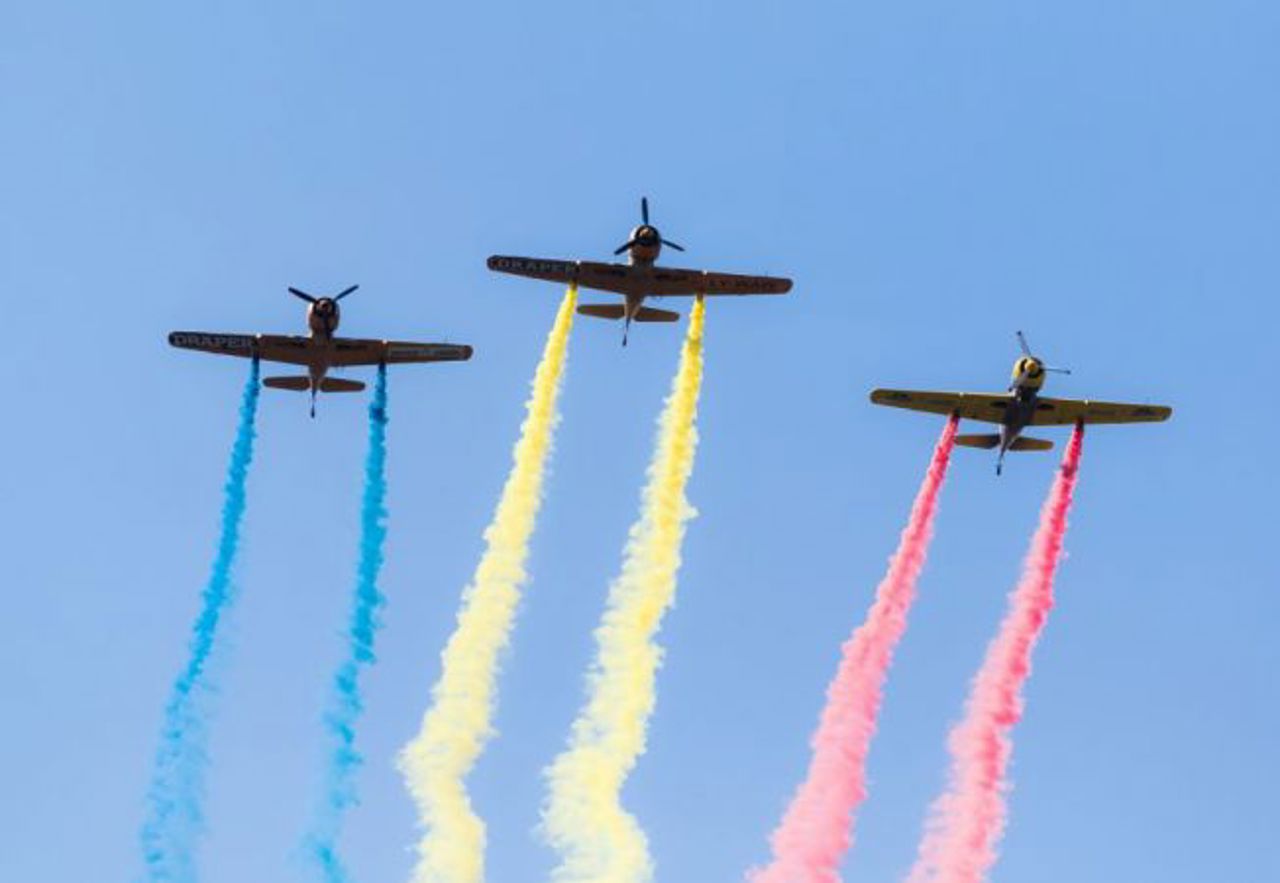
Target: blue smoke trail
{"points": [[174, 815], [345, 703]]}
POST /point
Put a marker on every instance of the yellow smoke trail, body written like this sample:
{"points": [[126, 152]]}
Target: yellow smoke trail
{"points": [[599, 841], [459, 721]]}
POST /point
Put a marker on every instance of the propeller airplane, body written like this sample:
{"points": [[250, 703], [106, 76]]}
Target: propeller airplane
{"points": [[1020, 407], [320, 350], [637, 279]]}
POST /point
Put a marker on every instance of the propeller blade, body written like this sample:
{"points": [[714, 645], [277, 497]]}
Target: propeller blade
{"points": [[1057, 370], [1022, 342], [624, 246], [644, 209], [345, 292], [670, 244], [302, 294]]}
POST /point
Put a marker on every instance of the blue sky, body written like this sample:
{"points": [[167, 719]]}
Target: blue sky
{"points": [[933, 175]]}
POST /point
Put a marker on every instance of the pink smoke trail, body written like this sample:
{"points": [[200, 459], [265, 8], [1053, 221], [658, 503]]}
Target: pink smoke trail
{"points": [[818, 826], [966, 822]]}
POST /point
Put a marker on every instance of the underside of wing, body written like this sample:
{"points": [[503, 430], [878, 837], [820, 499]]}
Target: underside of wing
{"points": [[399, 352], [547, 269], [349, 351], [671, 281], [1061, 412], [289, 349], [618, 278], [969, 405], [243, 345]]}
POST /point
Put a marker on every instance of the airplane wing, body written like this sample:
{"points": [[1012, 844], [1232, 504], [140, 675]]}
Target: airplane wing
{"points": [[295, 350], [243, 345], [1060, 412], [268, 347], [663, 281], [626, 279], [969, 405], [549, 270], [618, 278], [352, 351]]}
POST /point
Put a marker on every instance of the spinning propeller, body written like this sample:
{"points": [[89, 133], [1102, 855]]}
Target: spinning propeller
{"points": [[312, 299], [646, 234], [1026, 351]]}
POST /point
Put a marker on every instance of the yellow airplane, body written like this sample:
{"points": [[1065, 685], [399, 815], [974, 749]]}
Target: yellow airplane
{"points": [[1021, 407], [637, 279], [319, 351]]}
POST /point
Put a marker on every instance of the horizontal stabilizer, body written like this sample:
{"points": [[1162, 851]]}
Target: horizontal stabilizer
{"points": [[978, 441], [649, 314], [335, 384], [1022, 443], [603, 311], [297, 384]]}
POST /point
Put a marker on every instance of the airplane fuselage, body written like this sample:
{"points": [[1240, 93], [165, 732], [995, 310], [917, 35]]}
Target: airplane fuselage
{"points": [[1017, 417], [646, 245], [323, 317], [1028, 377]]}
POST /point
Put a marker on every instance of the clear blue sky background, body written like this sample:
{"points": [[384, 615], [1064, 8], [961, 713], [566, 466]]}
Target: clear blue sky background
{"points": [[934, 175]]}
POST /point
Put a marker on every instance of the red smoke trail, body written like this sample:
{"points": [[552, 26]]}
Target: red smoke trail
{"points": [[966, 822], [818, 827]]}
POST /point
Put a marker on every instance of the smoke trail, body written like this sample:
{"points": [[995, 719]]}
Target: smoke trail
{"points": [[966, 822], [174, 816], [597, 839], [459, 721], [817, 829], [346, 703]]}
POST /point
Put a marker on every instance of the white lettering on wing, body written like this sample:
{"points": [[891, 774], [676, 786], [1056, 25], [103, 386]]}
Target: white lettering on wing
{"points": [[531, 265], [212, 341]]}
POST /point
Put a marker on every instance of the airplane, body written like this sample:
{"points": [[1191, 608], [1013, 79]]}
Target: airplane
{"points": [[1020, 407], [320, 350], [637, 279]]}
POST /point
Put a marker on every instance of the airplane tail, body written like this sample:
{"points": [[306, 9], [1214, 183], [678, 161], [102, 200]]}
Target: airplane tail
{"points": [[618, 311], [297, 384], [336, 384], [603, 311], [978, 441], [303, 383], [649, 314], [1022, 443]]}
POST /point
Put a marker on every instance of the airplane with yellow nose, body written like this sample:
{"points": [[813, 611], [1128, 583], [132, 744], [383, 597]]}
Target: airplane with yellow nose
{"points": [[1020, 407]]}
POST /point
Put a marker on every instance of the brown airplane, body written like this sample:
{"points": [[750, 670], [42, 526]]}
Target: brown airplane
{"points": [[319, 351], [637, 279], [1020, 407]]}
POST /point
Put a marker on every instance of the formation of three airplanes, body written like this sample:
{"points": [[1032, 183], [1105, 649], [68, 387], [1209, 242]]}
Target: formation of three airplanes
{"points": [[1013, 411]]}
